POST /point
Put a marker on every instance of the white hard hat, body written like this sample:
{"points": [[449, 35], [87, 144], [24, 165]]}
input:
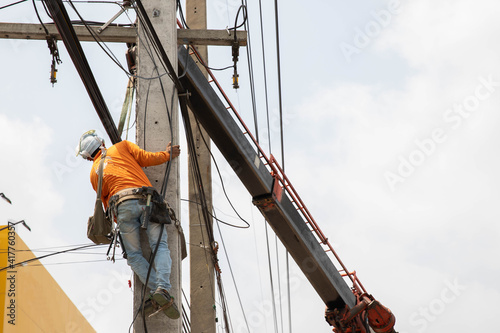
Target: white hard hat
{"points": [[89, 143]]}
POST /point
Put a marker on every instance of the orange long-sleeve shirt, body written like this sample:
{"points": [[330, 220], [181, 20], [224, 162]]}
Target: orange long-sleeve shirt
{"points": [[123, 168]]}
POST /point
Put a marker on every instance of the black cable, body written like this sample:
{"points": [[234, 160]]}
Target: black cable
{"points": [[54, 247], [12, 4], [73, 262], [232, 276], [220, 175], [245, 16], [250, 73], [145, 113], [219, 220], [181, 14], [70, 39], [96, 23], [265, 76], [46, 251], [281, 134], [45, 256], [151, 34], [279, 83], [46, 10], [201, 192], [202, 62], [151, 261], [98, 39], [39, 19], [271, 280], [96, 1], [164, 57]]}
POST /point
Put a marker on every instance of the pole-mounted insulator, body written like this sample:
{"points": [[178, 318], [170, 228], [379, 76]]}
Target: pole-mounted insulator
{"points": [[54, 51], [236, 54]]}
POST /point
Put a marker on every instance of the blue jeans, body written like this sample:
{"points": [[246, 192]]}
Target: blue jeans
{"points": [[129, 221]]}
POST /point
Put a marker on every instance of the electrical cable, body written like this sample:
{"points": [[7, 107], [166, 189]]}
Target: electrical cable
{"points": [[245, 16], [163, 55], [73, 262], [105, 48], [279, 83], [39, 19], [250, 69], [13, 4], [98, 40], [46, 251], [265, 76], [55, 247], [288, 292], [271, 280], [219, 220], [70, 39], [276, 12], [95, 1], [23, 263], [162, 193], [279, 281], [220, 175], [232, 276], [181, 14], [203, 200], [151, 35], [202, 62]]}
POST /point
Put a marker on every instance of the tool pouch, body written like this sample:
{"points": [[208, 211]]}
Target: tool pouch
{"points": [[159, 210], [99, 225]]}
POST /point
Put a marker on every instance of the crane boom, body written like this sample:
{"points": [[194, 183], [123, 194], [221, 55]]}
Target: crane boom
{"points": [[344, 304], [280, 213]]}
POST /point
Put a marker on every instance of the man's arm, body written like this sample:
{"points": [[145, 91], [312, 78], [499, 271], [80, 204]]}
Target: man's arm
{"points": [[145, 158]]}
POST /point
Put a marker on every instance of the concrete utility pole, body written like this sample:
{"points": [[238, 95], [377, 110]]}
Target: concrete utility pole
{"points": [[154, 131], [201, 264], [153, 134]]}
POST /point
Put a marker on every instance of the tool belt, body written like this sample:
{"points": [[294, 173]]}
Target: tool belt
{"points": [[157, 209]]}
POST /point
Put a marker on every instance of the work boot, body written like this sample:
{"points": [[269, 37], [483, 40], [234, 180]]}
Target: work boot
{"points": [[165, 301], [149, 307]]}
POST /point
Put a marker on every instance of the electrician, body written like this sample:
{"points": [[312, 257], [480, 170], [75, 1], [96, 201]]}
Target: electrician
{"points": [[125, 189]]}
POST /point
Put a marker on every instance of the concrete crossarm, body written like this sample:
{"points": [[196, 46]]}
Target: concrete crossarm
{"points": [[114, 34]]}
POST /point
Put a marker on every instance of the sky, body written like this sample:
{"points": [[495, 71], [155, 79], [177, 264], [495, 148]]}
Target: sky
{"points": [[390, 113]]}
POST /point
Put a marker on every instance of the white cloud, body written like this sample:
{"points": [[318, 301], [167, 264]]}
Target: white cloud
{"points": [[431, 229], [27, 179]]}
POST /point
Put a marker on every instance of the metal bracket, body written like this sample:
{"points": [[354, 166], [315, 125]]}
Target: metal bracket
{"points": [[126, 5]]}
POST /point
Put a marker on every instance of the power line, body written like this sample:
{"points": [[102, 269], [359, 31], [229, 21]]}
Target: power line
{"points": [[70, 39], [271, 280], [279, 82], [13, 4], [232, 276], [74, 262], [46, 256], [265, 76], [219, 173]]}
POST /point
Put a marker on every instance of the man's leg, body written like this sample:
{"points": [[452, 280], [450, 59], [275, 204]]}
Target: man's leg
{"points": [[163, 261], [128, 217]]}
